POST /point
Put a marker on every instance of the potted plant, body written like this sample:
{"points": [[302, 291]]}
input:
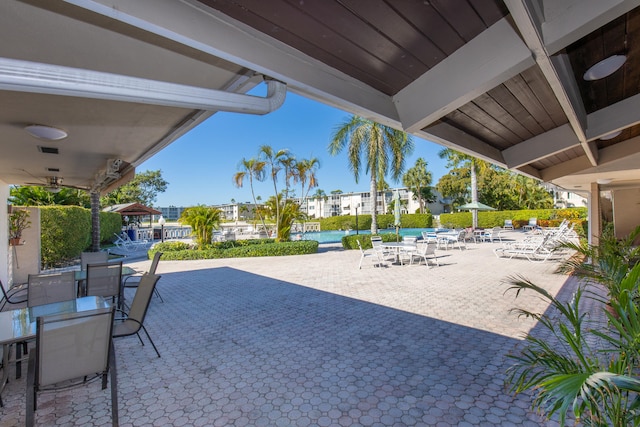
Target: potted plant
{"points": [[18, 222]]}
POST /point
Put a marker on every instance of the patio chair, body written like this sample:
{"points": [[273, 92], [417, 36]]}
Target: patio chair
{"points": [[105, 280], [48, 288], [134, 281], [508, 224], [429, 236], [93, 258], [426, 251], [133, 321], [533, 224], [493, 235], [72, 348], [14, 295], [453, 239]]}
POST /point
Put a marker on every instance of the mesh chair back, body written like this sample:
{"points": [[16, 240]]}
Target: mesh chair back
{"points": [[154, 262], [104, 280], [72, 346], [141, 299], [93, 258], [48, 288]]}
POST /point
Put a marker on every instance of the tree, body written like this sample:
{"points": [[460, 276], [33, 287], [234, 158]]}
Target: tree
{"points": [[475, 166], [202, 220], [40, 196], [417, 179], [252, 169], [143, 189], [382, 150], [306, 173], [275, 161], [289, 211]]}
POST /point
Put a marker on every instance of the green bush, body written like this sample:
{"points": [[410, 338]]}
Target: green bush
{"points": [[110, 224], [348, 222], [350, 242], [240, 249], [520, 217]]}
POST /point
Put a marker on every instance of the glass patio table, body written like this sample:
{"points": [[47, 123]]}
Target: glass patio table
{"points": [[20, 324]]}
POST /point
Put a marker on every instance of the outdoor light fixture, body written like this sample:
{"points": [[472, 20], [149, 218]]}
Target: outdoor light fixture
{"points": [[610, 135], [604, 181], [162, 222], [605, 68], [46, 132]]}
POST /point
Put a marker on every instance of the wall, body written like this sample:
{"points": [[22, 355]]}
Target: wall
{"points": [[626, 211], [26, 257]]}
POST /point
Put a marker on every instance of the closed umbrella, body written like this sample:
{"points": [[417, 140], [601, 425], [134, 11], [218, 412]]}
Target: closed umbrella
{"points": [[476, 206], [396, 213]]}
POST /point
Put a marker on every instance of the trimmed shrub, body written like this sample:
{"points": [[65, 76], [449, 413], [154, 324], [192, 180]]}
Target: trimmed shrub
{"points": [[110, 224], [520, 217], [350, 242], [248, 248], [348, 222]]}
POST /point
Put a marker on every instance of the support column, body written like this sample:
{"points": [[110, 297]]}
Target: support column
{"points": [[595, 215], [95, 221]]}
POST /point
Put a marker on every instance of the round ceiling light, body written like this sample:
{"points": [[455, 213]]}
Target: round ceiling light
{"points": [[604, 181], [605, 68], [610, 135], [46, 132]]}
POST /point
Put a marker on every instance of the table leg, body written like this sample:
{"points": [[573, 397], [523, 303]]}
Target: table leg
{"points": [[6, 348]]}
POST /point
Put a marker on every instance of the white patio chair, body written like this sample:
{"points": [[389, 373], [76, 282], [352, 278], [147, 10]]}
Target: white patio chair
{"points": [[372, 254], [426, 251], [533, 224], [493, 235], [508, 224]]}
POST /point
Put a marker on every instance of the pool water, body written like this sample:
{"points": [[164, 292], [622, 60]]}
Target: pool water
{"points": [[335, 236]]}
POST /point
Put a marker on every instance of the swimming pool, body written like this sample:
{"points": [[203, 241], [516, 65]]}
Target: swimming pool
{"points": [[335, 236]]}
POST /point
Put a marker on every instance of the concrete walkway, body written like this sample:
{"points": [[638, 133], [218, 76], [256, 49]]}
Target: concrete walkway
{"points": [[313, 341]]}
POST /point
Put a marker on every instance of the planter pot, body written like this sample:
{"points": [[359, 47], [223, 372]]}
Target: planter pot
{"points": [[15, 242]]}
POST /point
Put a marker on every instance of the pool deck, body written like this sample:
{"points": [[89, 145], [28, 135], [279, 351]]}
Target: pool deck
{"points": [[311, 340]]}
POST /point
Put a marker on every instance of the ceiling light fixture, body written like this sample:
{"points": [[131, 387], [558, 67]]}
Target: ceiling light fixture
{"points": [[605, 68], [46, 132], [604, 181], [610, 135]]}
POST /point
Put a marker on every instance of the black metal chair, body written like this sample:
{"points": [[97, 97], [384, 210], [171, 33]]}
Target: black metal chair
{"points": [[14, 295], [134, 320]]}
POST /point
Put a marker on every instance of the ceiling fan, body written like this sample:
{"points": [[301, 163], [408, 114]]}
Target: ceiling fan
{"points": [[54, 184]]}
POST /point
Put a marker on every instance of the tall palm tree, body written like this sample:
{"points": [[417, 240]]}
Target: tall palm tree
{"points": [[382, 148], [275, 160], [475, 166], [306, 172], [252, 169], [416, 179]]}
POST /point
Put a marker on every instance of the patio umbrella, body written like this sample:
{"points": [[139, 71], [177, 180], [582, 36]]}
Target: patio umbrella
{"points": [[476, 206], [396, 213]]}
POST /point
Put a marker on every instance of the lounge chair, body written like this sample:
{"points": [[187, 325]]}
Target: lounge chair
{"points": [[508, 224], [533, 224], [538, 249]]}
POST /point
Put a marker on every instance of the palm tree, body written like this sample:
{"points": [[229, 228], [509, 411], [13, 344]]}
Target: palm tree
{"points": [[275, 161], [202, 220], [475, 166], [382, 148], [253, 169], [416, 179], [306, 172]]}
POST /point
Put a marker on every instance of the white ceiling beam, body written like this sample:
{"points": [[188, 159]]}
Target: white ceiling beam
{"points": [[216, 34], [540, 146], [527, 21], [25, 76], [494, 56], [529, 171], [567, 21], [451, 137], [615, 117], [569, 167]]}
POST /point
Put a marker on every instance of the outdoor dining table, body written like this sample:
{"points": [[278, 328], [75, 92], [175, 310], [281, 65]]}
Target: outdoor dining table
{"points": [[398, 247], [20, 324]]}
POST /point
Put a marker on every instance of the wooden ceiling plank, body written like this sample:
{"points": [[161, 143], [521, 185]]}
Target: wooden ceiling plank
{"points": [[488, 60], [570, 20], [540, 146], [461, 16], [460, 120], [496, 125], [522, 92], [540, 89], [503, 115], [505, 98]]}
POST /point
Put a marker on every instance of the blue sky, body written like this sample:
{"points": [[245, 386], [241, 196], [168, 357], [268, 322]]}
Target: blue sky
{"points": [[200, 165]]}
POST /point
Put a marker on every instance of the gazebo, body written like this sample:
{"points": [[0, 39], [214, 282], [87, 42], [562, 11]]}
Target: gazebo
{"points": [[133, 209]]}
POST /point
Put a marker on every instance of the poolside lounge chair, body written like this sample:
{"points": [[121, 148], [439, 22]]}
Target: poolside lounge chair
{"points": [[535, 249], [533, 224], [508, 224]]}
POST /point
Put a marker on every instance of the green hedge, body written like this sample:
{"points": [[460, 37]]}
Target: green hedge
{"points": [[66, 232], [177, 251], [350, 242], [520, 217], [348, 222]]}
